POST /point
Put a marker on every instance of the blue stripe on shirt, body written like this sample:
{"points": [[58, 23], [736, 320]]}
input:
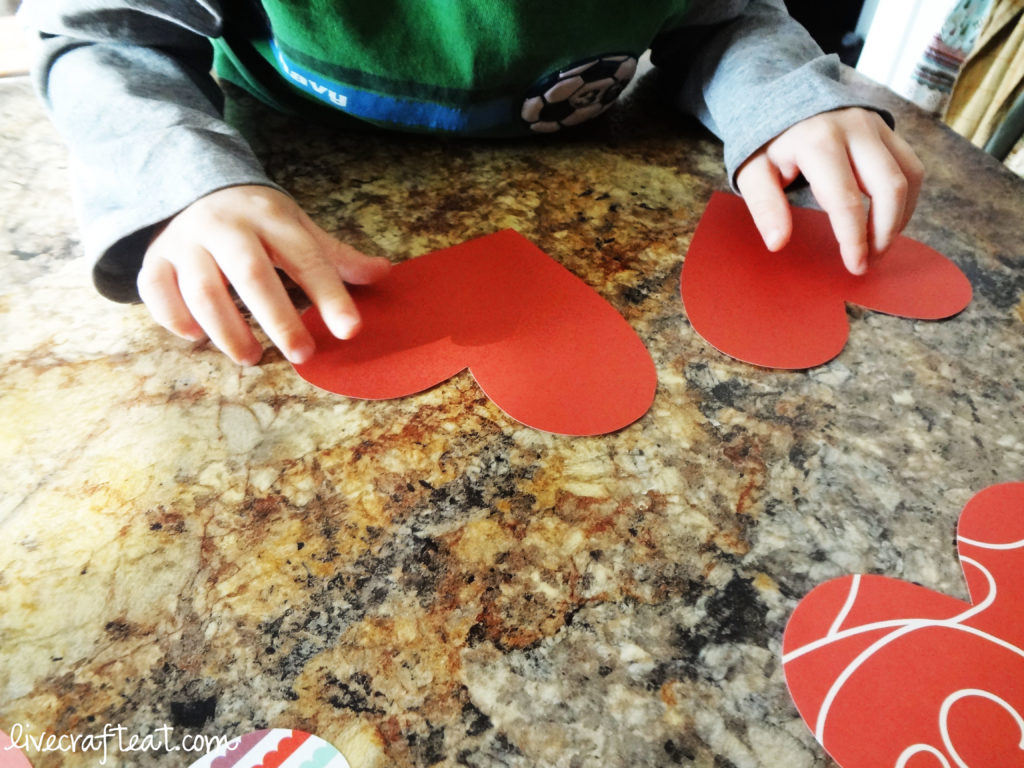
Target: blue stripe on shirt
{"points": [[379, 107]]}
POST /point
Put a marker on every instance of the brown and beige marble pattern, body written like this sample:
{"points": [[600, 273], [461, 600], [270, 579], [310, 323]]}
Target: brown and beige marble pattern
{"points": [[424, 581]]}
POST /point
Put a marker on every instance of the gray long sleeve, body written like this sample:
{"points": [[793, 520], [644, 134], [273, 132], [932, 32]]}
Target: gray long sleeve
{"points": [[127, 84], [129, 90], [755, 73]]}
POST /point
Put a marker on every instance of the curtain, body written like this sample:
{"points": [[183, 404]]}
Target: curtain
{"points": [[931, 82], [987, 101]]}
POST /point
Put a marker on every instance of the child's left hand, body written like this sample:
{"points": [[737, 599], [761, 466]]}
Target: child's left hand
{"points": [[844, 155]]}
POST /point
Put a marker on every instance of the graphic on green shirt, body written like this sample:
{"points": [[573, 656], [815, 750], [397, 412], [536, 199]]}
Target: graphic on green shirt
{"points": [[464, 66]]}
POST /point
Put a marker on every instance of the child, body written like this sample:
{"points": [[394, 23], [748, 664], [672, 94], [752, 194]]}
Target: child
{"points": [[175, 205]]}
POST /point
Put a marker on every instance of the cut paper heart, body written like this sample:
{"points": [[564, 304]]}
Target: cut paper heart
{"points": [[542, 345], [788, 309], [276, 748], [888, 673], [11, 755]]}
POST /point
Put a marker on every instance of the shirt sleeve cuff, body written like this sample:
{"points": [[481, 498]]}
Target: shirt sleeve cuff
{"points": [[809, 90]]}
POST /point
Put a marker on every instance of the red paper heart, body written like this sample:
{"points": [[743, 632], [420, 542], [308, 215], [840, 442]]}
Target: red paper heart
{"points": [[11, 755], [888, 673], [787, 309], [545, 347]]}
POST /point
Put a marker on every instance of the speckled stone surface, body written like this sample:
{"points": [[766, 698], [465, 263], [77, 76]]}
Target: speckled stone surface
{"points": [[423, 581]]}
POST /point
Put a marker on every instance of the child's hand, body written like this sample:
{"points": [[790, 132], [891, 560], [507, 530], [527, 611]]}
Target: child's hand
{"points": [[843, 155], [238, 235]]}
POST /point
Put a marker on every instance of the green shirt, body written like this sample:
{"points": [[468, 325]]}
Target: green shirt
{"points": [[461, 66]]}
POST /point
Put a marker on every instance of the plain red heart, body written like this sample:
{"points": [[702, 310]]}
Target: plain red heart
{"points": [[546, 348], [11, 755], [788, 309], [888, 673]]}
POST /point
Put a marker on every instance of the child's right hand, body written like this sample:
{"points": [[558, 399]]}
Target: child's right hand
{"points": [[844, 154], [238, 236]]}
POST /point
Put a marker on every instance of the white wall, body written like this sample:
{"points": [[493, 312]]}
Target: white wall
{"points": [[897, 33]]}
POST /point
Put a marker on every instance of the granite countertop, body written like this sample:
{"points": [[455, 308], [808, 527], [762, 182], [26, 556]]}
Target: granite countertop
{"points": [[425, 581]]}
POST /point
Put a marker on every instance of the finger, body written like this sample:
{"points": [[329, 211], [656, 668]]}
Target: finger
{"points": [[158, 288], [881, 179], [249, 269], [912, 169], [762, 189], [353, 266], [206, 295], [826, 166], [296, 250]]}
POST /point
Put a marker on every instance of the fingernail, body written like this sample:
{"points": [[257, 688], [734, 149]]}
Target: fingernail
{"points": [[299, 355], [773, 239], [344, 326]]}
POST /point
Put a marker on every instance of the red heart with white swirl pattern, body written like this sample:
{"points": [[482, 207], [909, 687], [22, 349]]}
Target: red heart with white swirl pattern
{"points": [[888, 673]]}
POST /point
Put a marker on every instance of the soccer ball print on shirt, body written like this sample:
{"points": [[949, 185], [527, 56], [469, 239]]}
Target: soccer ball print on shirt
{"points": [[577, 94]]}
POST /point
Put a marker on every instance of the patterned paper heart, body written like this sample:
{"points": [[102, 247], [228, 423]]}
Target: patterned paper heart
{"points": [[11, 755], [546, 348], [888, 673], [788, 309], [277, 748]]}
